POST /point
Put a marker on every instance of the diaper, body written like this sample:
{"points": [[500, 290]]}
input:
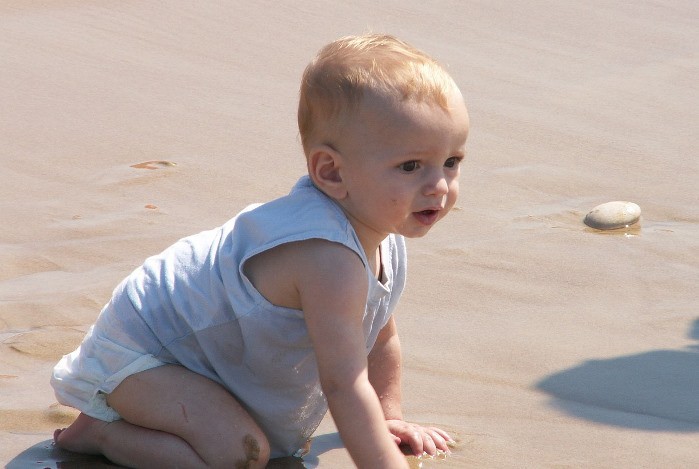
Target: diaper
{"points": [[83, 378]]}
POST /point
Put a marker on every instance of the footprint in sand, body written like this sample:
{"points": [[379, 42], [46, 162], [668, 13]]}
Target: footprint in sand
{"points": [[47, 343], [156, 164], [47, 419]]}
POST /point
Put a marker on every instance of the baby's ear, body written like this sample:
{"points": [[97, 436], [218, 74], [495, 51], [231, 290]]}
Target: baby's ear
{"points": [[324, 168]]}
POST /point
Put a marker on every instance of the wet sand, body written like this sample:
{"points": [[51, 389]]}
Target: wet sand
{"points": [[537, 341]]}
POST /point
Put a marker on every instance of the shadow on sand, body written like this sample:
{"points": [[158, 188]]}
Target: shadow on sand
{"points": [[45, 455], [653, 391]]}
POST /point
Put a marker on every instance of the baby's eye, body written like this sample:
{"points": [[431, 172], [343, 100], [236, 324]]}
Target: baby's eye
{"points": [[409, 166], [452, 162]]}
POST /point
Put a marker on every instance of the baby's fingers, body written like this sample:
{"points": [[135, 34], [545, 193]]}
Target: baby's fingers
{"points": [[440, 439], [423, 440], [415, 440], [429, 445], [420, 439]]}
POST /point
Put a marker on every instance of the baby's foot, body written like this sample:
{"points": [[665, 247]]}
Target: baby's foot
{"points": [[82, 436]]}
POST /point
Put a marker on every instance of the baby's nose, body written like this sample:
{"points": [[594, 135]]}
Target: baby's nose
{"points": [[437, 184]]}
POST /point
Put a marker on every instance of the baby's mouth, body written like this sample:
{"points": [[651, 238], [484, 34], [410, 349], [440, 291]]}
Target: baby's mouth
{"points": [[426, 217]]}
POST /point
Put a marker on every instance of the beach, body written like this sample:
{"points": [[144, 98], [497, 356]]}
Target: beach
{"points": [[533, 339]]}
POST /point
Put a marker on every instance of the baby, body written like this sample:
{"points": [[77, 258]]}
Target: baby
{"points": [[228, 348]]}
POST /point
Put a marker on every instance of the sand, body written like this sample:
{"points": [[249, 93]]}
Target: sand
{"points": [[537, 341]]}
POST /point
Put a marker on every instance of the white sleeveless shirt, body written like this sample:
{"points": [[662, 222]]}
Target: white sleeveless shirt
{"points": [[193, 305]]}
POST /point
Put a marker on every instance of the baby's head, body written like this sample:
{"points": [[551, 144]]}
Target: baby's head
{"points": [[384, 128], [346, 70]]}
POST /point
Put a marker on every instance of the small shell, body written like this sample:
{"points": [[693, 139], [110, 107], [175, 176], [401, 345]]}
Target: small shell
{"points": [[613, 215]]}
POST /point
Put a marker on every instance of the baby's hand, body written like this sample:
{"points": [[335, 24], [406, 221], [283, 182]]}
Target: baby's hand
{"points": [[420, 439]]}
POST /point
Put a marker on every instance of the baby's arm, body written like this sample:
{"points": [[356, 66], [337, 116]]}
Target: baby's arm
{"points": [[332, 286], [385, 377]]}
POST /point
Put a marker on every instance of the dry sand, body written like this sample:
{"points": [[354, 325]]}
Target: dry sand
{"points": [[537, 341]]}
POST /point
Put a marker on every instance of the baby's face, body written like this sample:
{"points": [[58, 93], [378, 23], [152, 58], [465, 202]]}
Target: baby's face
{"points": [[401, 164]]}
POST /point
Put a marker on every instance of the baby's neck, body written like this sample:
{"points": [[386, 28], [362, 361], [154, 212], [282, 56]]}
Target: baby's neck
{"points": [[375, 262]]}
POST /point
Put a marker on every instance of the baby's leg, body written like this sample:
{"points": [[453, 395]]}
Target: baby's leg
{"points": [[172, 417]]}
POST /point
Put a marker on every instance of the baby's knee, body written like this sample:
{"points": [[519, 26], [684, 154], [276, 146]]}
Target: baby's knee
{"points": [[256, 451], [249, 453]]}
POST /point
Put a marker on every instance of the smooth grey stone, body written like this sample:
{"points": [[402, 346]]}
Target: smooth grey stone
{"points": [[613, 215]]}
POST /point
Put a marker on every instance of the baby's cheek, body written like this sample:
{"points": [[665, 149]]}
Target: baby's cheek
{"points": [[454, 190]]}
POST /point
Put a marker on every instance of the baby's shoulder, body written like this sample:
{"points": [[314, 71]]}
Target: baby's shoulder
{"points": [[279, 273], [312, 256]]}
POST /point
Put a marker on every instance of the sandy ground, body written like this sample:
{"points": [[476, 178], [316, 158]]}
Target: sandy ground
{"points": [[537, 341]]}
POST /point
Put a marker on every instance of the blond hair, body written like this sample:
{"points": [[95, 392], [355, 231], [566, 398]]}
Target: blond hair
{"points": [[343, 71]]}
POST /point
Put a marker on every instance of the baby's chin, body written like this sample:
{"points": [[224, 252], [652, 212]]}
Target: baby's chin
{"points": [[426, 220], [415, 234]]}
